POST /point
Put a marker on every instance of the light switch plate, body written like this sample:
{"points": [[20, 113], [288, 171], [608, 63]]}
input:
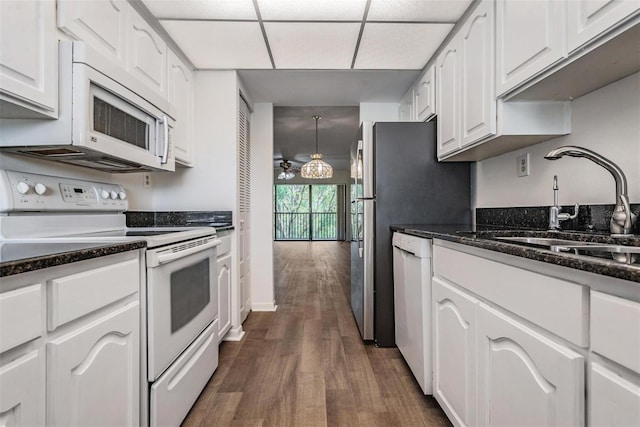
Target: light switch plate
{"points": [[523, 165]]}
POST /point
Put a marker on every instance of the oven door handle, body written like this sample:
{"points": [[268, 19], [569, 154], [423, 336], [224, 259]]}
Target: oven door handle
{"points": [[155, 259]]}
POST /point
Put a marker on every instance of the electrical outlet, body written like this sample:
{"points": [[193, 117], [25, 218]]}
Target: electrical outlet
{"points": [[146, 180], [523, 165]]}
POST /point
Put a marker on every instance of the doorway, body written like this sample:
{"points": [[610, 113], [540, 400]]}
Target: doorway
{"points": [[308, 212]]}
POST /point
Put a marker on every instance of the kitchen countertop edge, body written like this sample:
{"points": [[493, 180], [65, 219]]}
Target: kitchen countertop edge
{"points": [[11, 268], [453, 233]]}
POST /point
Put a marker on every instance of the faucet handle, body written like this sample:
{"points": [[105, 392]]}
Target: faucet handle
{"points": [[565, 216]]}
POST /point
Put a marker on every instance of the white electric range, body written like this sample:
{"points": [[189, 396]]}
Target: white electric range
{"points": [[181, 288]]}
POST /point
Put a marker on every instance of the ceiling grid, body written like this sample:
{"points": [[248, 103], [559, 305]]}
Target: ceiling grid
{"points": [[309, 34]]}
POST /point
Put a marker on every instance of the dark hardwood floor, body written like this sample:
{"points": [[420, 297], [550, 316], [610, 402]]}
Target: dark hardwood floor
{"points": [[305, 364]]}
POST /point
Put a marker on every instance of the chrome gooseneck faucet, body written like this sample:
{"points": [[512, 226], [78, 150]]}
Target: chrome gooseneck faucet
{"points": [[555, 212], [622, 219]]}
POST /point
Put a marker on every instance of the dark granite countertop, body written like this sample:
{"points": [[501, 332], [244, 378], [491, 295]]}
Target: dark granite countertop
{"points": [[16, 258], [486, 239]]}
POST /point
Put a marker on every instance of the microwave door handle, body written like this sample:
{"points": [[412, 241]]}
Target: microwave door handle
{"points": [[165, 153]]}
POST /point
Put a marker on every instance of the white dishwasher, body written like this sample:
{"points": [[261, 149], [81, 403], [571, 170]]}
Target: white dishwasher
{"points": [[412, 304]]}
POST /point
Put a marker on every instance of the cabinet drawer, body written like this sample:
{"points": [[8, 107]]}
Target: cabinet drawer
{"points": [[225, 246], [556, 305], [615, 329], [20, 316], [76, 295]]}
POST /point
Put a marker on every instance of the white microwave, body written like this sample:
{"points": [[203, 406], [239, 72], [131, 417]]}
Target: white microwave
{"points": [[107, 119]]}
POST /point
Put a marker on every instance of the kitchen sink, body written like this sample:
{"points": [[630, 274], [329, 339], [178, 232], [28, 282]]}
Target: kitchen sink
{"points": [[545, 241]]}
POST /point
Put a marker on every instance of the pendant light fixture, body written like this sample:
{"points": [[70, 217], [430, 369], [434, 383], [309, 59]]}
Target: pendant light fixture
{"points": [[316, 168]]}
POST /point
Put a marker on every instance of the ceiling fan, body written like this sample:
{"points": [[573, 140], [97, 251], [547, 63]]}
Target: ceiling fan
{"points": [[288, 170]]}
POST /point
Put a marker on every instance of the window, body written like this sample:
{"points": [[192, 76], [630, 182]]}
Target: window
{"points": [[305, 212]]}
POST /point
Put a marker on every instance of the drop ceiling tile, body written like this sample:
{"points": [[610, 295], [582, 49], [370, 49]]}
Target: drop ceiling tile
{"points": [[312, 10], [399, 46], [417, 10], [312, 45], [202, 9], [224, 45]]}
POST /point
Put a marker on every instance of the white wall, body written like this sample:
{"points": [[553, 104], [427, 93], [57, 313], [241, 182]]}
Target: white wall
{"points": [[262, 290], [606, 121], [379, 112], [211, 184]]}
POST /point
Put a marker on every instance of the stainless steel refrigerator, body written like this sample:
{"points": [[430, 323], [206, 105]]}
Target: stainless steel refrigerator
{"points": [[396, 179]]}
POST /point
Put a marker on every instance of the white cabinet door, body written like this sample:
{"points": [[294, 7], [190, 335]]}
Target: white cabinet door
{"points": [[426, 95], [587, 19], [224, 295], [406, 107], [22, 391], [530, 37], [448, 98], [28, 58], [147, 55], [524, 378], [478, 103], [93, 373], [181, 87], [613, 400], [102, 24], [454, 352]]}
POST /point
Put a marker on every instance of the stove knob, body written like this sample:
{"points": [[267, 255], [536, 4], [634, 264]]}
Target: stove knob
{"points": [[114, 195], [40, 188], [104, 194], [23, 187], [122, 195]]}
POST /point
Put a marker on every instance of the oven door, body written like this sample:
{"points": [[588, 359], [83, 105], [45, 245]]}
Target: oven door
{"points": [[182, 298]]}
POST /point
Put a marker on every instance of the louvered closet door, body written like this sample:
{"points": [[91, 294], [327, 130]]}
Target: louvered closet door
{"points": [[244, 208]]}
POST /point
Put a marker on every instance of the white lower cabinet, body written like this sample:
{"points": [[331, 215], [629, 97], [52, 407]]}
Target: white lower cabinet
{"points": [[224, 294], [525, 378], [614, 396], [22, 391], [613, 399], [66, 361], [454, 352], [94, 372]]}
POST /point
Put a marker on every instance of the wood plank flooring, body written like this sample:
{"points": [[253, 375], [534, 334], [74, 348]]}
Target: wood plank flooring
{"points": [[305, 364]]}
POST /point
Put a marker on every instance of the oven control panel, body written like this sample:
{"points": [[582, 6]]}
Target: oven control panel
{"points": [[28, 192]]}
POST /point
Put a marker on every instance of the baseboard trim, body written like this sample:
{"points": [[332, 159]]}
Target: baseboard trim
{"points": [[234, 334], [264, 306]]}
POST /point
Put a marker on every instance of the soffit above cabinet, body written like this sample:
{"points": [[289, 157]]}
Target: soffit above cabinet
{"points": [[310, 34]]}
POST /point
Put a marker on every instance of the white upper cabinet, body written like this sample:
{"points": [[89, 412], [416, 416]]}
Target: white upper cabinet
{"points": [[425, 100], [406, 107], [448, 99], [477, 55], [588, 19], [530, 38], [147, 55], [99, 23], [180, 91], [524, 378], [28, 59]]}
